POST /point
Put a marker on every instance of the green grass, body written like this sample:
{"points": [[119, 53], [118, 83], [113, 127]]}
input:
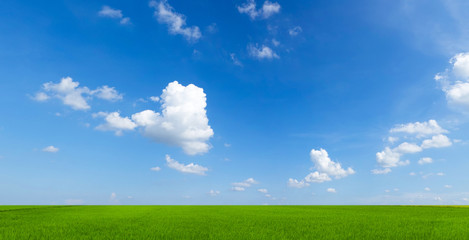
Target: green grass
{"points": [[233, 222]]}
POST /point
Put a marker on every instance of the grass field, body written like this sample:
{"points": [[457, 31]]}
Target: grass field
{"points": [[234, 222]]}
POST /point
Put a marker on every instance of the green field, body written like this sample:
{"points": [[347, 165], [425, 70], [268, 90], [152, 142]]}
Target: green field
{"points": [[234, 222]]}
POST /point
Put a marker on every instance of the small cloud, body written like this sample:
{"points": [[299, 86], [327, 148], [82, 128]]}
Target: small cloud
{"points": [[295, 31], [156, 169], [50, 149], [235, 60], [427, 189], [212, 28], [331, 190], [115, 123], [40, 97], [214, 193], [113, 196], [246, 183], [297, 184], [262, 52], [275, 42], [154, 98], [412, 173], [381, 171], [109, 12], [448, 186], [425, 160], [189, 168], [262, 190], [267, 10], [238, 189], [227, 145], [175, 21]]}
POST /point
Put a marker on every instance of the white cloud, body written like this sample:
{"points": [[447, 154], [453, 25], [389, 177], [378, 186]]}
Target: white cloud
{"points": [[458, 93], [437, 141], [155, 99], [189, 168], [113, 196], [50, 149], [448, 186], [69, 92], [41, 97], [392, 140], [390, 158], [214, 193], [331, 190], [326, 168], [74, 96], [107, 93], [238, 189], [317, 177], [262, 52], [235, 60], [425, 160], [275, 42], [461, 65], [421, 129], [109, 12], [381, 171], [455, 81], [412, 173], [324, 164], [297, 184], [176, 22], [295, 31], [246, 183], [427, 189], [406, 147], [268, 9], [183, 121], [262, 190], [156, 169], [115, 123]]}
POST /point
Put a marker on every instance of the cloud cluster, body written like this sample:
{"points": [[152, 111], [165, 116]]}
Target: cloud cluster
{"points": [[182, 122], [241, 186], [391, 157], [74, 96], [325, 170], [114, 122], [262, 52], [109, 12], [189, 168], [176, 22], [455, 81], [50, 149], [268, 9], [214, 193], [295, 31]]}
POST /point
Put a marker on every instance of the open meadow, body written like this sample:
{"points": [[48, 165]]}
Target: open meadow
{"points": [[234, 222]]}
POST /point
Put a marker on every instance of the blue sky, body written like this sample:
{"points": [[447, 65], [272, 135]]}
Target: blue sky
{"points": [[234, 102]]}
